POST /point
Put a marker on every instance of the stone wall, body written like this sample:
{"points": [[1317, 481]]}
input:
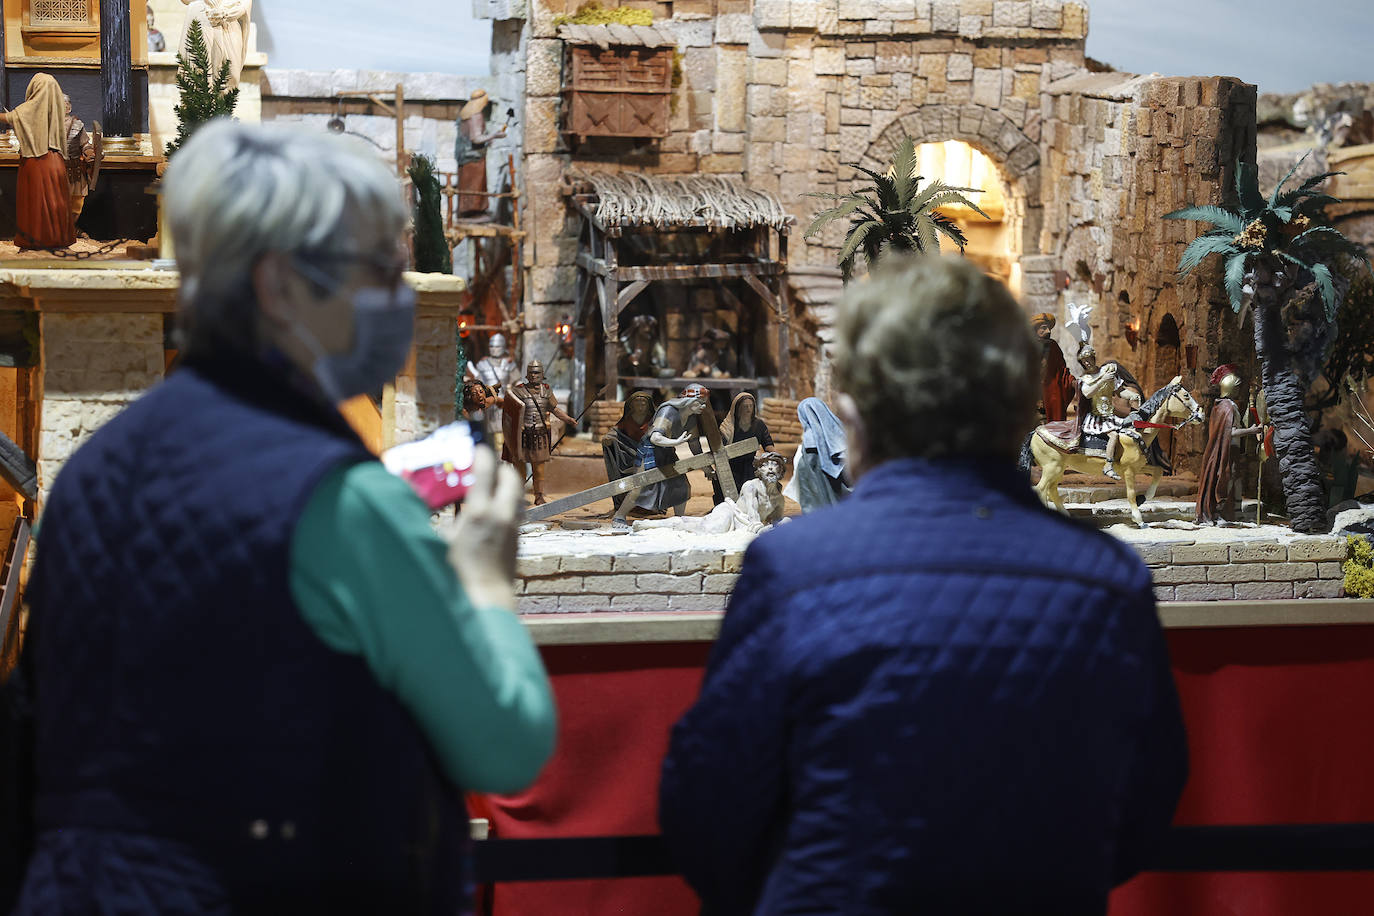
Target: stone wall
{"points": [[93, 366], [697, 573]]}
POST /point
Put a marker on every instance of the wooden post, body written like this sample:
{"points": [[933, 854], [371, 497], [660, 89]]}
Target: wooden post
{"points": [[784, 319], [400, 129]]}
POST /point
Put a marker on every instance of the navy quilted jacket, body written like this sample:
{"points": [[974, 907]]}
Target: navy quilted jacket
{"points": [[934, 697]]}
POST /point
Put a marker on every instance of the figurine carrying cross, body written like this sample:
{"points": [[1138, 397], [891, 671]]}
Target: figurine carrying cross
{"points": [[662, 483]]}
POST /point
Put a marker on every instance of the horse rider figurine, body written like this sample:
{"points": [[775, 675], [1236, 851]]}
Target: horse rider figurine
{"points": [[1099, 387]]}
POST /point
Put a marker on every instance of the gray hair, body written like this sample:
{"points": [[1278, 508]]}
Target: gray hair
{"points": [[237, 191], [938, 360]]}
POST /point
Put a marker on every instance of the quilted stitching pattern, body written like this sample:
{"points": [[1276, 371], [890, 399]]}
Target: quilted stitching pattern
{"points": [[180, 695], [934, 697]]}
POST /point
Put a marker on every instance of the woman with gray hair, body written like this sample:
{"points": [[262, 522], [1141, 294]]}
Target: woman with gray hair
{"points": [[260, 680], [935, 695]]}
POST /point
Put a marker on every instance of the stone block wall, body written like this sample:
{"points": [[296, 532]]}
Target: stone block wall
{"points": [[93, 366], [1251, 570], [700, 579], [684, 580]]}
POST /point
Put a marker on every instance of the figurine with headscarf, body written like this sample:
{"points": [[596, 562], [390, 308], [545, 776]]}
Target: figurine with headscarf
{"points": [[470, 149], [741, 422], [819, 477], [43, 213], [620, 446]]}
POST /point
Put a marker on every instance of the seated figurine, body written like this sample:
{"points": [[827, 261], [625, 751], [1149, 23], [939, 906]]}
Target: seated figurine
{"points": [[643, 354], [620, 446], [759, 505], [706, 360]]}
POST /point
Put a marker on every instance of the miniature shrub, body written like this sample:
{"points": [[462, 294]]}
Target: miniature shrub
{"points": [[1359, 568], [593, 13]]}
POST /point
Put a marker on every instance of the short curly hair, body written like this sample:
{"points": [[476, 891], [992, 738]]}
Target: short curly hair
{"points": [[939, 361]]}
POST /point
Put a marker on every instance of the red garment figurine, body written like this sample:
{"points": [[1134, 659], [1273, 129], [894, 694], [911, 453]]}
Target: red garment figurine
{"points": [[1215, 501], [1058, 383]]}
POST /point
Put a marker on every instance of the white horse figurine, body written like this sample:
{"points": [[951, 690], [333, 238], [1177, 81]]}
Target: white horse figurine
{"points": [[1170, 402]]}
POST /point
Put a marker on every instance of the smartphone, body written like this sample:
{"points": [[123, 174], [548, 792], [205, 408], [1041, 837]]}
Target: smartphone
{"points": [[439, 466]]}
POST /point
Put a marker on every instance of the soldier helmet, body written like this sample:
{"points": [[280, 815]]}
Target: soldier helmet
{"points": [[496, 344], [1222, 371], [534, 366]]}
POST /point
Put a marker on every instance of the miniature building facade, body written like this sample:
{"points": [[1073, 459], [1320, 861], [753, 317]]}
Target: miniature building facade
{"points": [[788, 94]]}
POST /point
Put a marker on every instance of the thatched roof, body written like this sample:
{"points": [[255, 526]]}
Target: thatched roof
{"points": [[614, 34], [636, 199]]}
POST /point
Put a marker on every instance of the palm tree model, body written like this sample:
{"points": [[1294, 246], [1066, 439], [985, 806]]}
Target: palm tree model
{"points": [[1271, 249], [894, 213]]}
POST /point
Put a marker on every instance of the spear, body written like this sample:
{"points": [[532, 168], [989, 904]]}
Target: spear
{"points": [[1259, 415]]}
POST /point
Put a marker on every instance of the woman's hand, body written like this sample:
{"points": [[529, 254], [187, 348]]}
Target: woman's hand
{"points": [[483, 544]]}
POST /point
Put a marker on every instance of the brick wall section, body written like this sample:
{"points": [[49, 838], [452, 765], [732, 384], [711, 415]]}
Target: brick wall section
{"points": [[701, 580], [93, 367], [1253, 570], [686, 580]]}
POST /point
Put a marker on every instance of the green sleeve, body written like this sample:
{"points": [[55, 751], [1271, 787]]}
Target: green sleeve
{"points": [[372, 578]]}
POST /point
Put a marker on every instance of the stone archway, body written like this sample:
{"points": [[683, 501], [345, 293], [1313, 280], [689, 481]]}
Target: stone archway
{"points": [[992, 133]]}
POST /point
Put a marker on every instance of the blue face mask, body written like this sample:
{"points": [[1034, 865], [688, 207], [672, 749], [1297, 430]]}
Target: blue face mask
{"points": [[383, 328]]}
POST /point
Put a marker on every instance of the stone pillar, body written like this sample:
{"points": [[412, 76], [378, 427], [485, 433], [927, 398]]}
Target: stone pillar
{"points": [[116, 72], [94, 365]]}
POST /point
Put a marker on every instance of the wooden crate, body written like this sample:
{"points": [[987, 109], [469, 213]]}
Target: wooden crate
{"points": [[619, 92]]}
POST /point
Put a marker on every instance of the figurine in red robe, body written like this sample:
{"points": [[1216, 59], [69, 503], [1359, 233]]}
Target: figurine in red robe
{"points": [[1058, 383], [1215, 500]]}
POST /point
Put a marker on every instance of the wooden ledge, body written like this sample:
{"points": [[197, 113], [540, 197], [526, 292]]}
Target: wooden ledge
{"points": [[631, 627]]}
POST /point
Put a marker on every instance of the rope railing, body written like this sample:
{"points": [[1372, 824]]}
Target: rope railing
{"points": [[1228, 848]]}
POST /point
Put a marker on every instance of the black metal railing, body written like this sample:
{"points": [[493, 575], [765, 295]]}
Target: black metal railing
{"points": [[1257, 848]]}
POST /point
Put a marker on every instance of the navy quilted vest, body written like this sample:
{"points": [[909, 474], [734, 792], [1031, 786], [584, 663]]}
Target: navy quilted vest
{"points": [[178, 692]]}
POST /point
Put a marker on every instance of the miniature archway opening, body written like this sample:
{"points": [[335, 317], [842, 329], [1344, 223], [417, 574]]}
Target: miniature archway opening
{"points": [[989, 240]]}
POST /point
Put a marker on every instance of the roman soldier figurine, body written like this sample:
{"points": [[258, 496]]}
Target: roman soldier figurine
{"points": [[527, 408], [1057, 382], [1098, 390], [1215, 500], [497, 371]]}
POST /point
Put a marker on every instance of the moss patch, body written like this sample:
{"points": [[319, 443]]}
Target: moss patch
{"points": [[593, 13], [1359, 568]]}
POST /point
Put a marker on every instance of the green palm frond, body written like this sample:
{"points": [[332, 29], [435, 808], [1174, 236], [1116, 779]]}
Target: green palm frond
{"points": [[1247, 189], [1222, 243], [1327, 288], [1314, 203], [857, 233], [949, 229], [935, 188], [954, 197], [1220, 217], [927, 238], [825, 217], [1327, 240], [904, 178], [1235, 278], [1278, 188]]}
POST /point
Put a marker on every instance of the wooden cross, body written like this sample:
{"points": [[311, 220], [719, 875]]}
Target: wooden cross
{"points": [[719, 456]]}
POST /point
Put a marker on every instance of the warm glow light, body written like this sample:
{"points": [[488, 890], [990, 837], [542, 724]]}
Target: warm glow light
{"points": [[960, 165]]}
